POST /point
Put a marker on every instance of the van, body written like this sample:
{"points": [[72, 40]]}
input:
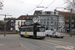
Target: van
{"points": [[48, 33]]}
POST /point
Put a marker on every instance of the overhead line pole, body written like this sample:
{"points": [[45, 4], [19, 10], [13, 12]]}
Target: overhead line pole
{"points": [[71, 22], [5, 23]]}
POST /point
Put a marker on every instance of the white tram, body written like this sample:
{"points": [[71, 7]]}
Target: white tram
{"points": [[33, 30]]}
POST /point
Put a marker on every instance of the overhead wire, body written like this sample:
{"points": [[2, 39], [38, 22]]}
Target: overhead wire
{"points": [[49, 5], [35, 7], [61, 5], [71, 4], [25, 2], [40, 2]]}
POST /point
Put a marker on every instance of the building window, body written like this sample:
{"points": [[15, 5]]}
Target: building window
{"points": [[18, 23], [72, 20], [67, 25], [72, 25], [47, 23], [48, 18], [12, 20], [27, 17], [54, 12], [44, 18], [24, 23], [21, 23], [44, 22], [40, 12], [67, 20], [41, 22], [51, 23], [55, 23], [51, 18], [12, 24], [48, 12]]}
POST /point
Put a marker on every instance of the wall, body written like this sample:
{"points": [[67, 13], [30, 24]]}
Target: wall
{"points": [[18, 24]]}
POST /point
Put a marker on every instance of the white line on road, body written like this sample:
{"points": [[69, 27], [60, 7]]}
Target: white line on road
{"points": [[26, 47], [1, 44]]}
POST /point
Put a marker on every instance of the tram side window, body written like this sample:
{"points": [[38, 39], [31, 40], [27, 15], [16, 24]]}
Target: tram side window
{"points": [[23, 29], [27, 29]]}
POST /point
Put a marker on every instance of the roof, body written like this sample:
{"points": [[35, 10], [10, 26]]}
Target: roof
{"points": [[37, 12], [65, 12], [25, 17], [9, 18]]}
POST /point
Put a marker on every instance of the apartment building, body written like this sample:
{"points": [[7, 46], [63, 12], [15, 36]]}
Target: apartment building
{"points": [[49, 18]]}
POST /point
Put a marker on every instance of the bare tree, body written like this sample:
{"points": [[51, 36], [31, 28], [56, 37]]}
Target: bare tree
{"points": [[70, 5], [1, 5]]}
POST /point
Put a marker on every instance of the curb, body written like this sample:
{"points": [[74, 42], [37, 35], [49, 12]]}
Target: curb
{"points": [[68, 36]]}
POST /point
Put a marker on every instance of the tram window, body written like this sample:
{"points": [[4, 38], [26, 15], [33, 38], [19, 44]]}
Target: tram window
{"points": [[27, 29], [30, 29], [23, 29], [39, 29]]}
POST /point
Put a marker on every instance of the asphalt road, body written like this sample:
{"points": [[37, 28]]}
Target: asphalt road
{"points": [[15, 42]]}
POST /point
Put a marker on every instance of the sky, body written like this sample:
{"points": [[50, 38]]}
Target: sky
{"points": [[17, 8]]}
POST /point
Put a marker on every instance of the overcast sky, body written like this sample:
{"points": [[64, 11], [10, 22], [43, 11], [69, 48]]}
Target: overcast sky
{"points": [[23, 7]]}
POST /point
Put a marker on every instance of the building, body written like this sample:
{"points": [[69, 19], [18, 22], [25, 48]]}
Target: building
{"points": [[2, 24], [23, 20], [27, 18], [10, 24], [49, 18], [67, 20], [18, 23], [61, 22]]}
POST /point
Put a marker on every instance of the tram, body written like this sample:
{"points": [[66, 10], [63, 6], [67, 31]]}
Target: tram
{"points": [[33, 30]]}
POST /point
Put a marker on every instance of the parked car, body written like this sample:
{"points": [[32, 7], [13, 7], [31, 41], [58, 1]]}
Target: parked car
{"points": [[57, 34], [48, 32]]}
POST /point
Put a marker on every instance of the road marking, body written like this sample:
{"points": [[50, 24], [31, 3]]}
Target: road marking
{"points": [[1, 44], [57, 43], [26, 47]]}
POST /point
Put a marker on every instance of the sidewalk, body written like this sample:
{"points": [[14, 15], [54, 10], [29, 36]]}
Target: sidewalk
{"points": [[68, 36], [12, 45]]}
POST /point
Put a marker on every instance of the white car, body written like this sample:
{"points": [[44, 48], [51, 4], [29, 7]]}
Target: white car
{"points": [[58, 34], [48, 32]]}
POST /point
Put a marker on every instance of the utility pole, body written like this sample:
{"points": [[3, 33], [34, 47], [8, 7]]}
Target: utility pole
{"points": [[5, 23], [71, 22], [5, 26]]}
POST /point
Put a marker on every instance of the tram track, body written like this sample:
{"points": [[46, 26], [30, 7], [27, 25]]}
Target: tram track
{"points": [[51, 42], [44, 47], [41, 43], [58, 43]]}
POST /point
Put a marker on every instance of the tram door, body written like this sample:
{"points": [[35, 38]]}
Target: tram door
{"points": [[35, 31]]}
